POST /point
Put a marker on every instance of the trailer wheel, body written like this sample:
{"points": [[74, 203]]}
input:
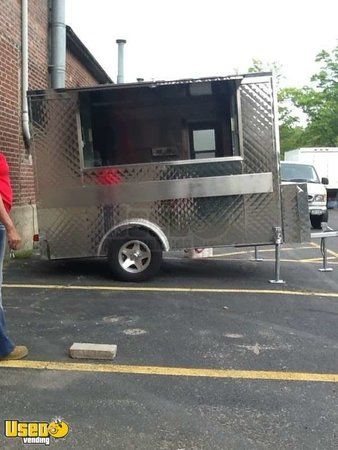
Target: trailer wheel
{"points": [[134, 255]]}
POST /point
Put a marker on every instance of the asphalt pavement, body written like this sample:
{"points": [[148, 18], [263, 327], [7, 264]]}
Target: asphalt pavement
{"points": [[210, 355]]}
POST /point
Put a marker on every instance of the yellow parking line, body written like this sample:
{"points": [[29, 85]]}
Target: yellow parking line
{"points": [[172, 371], [231, 254], [310, 260], [171, 289], [331, 252], [303, 261], [245, 252], [319, 259]]}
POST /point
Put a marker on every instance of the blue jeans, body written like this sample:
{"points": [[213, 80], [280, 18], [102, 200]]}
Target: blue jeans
{"points": [[6, 345]]}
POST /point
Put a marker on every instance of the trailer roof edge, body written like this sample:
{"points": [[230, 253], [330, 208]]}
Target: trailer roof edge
{"points": [[152, 84]]}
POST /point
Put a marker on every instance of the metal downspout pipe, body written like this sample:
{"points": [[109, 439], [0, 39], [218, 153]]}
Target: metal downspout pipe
{"points": [[58, 44], [24, 70]]}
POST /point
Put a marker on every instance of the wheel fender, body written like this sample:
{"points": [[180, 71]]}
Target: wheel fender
{"points": [[135, 223]]}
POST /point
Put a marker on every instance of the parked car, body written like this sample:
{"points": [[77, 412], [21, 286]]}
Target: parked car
{"points": [[317, 195]]}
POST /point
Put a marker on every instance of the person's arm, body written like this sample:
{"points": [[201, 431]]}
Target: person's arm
{"points": [[14, 239]]}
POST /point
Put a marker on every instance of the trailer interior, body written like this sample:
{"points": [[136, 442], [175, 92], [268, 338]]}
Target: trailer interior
{"points": [[146, 124]]}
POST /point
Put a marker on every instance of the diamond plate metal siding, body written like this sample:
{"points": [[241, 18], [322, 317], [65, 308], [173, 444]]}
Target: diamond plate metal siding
{"points": [[262, 211], [151, 172], [72, 232], [55, 143], [295, 213]]}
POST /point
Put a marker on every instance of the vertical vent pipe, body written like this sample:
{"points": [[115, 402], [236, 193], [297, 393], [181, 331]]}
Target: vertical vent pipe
{"points": [[120, 62], [58, 44], [24, 70]]}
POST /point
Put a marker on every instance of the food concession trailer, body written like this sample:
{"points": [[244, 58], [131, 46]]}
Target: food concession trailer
{"points": [[128, 171]]}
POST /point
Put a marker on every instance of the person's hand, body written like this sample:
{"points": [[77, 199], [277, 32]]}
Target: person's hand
{"points": [[14, 239]]}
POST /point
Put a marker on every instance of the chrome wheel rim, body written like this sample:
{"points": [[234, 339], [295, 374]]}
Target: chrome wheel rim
{"points": [[134, 256]]}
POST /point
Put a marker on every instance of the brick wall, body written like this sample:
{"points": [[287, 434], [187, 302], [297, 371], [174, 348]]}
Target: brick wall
{"points": [[9, 87], [76, 73], [11, 140]]}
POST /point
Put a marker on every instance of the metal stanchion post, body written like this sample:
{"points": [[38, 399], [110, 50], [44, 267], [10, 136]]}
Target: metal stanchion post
{"points": [[256, 257], [323, 250], [279, 238], [326, 232]]}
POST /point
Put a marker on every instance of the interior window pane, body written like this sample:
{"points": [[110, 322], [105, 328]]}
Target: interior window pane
{"points": [[202, 155], [204, 140]]}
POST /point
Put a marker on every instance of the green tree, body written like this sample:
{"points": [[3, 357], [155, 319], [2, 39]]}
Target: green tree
{"points": [[319, 102], [292, 134], [260, 66]]}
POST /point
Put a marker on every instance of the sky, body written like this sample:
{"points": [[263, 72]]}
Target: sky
{"points": [[189, 39]]}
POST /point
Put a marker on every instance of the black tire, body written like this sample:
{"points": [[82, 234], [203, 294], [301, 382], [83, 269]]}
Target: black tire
{"points": [[316, 221], [149, 246]]}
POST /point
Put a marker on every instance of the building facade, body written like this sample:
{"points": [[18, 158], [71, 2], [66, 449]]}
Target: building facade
{"points": [[81, 70]]}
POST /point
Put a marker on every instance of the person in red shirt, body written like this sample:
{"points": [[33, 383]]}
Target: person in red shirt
{"points": [[8, 350]]}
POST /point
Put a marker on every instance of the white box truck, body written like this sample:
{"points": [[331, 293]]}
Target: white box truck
{"points": [[325, 161]]}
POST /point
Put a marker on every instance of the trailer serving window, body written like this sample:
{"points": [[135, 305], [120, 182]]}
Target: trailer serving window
{"points": [[149, 124]]}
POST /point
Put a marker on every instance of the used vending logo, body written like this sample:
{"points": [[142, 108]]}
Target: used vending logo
{"points": [[36, 432]]}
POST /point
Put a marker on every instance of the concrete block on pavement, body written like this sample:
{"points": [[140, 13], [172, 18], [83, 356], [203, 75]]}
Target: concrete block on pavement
{"points": [[92, 351]]}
